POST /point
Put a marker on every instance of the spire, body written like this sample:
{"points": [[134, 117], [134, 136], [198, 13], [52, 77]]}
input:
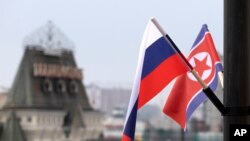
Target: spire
{"points": [[49, 38]]}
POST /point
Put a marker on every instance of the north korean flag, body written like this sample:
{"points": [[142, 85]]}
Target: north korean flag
{"points": [[186, 94]]}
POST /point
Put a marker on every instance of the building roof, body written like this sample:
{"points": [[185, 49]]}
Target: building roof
{"points": [[27, 89]]}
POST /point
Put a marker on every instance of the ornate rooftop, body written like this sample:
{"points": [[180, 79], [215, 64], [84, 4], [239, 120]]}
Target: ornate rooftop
{"points": [[48, 37]]}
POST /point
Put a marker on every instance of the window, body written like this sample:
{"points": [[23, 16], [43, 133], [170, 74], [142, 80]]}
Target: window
{"points": [[29, 119]]}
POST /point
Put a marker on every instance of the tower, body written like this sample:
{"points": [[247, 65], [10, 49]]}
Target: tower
{"points": [[47, 95]]}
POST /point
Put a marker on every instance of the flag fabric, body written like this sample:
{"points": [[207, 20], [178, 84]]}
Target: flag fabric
{"points": [[186, 94], [158, 65]]}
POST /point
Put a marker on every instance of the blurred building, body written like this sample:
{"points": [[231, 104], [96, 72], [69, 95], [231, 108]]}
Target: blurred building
{"points": [[113, 126], [106, 99], [2, 98], [47, 100], [113, 102]]}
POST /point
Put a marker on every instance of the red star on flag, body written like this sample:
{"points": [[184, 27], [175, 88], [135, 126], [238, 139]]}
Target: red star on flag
{"points": [[201, 66]]}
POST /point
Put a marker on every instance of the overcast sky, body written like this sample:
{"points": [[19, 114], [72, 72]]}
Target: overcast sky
{"points": [[106, 33]]}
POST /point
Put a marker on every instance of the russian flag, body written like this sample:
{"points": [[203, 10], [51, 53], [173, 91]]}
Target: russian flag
{"points": [[158, 65], [186, 94]]}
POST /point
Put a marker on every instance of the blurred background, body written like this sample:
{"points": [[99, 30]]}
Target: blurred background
{"points": [[67, 68]]}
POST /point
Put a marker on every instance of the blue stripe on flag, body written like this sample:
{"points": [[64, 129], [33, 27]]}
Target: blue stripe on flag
{"points": [[219, 67], [201, 35], [155, 54], [201, 97], [129, 129]]}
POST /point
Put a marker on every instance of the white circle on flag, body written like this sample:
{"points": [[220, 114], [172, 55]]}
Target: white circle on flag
{"points": [[201, 56]]}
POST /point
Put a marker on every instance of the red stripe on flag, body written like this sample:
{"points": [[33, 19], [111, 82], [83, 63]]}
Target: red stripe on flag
{"points": [[153, 83], [212, 49], [176, 104], [126, 138]]}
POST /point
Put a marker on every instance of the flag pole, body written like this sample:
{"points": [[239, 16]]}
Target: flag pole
{"points": [[209, 93], [220, 74], [176, 49]]}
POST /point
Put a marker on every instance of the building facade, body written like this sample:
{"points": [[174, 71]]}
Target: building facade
{"points": [[48, 101], [106, 99]]}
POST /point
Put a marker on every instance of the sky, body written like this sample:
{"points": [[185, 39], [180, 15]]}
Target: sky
{"points": [[106, 33]]}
